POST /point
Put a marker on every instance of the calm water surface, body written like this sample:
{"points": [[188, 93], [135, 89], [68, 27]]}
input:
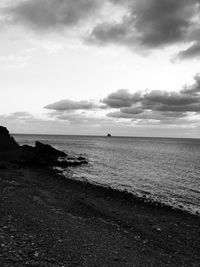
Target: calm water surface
{"points": [[167, 170]]}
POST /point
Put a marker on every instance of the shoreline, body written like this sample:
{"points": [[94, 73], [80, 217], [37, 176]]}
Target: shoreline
{"points": [[173, 194], [124, 194], [48, 220]]}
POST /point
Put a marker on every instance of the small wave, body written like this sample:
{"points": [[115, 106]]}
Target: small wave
{"points": [[143, 195]]}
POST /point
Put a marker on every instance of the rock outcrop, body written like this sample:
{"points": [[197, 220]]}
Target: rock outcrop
{"points": [[40, 155], [45, 149], [45, 155], [7, 142]]}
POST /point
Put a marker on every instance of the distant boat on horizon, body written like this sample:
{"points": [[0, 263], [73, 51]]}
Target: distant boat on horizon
{"points": [[108, 135]]}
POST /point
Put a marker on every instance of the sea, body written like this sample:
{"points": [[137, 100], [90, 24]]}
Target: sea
{"points": [[165, 170]]}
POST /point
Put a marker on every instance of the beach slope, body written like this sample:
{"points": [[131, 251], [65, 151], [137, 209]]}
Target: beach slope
{"points": [[48, 220]]}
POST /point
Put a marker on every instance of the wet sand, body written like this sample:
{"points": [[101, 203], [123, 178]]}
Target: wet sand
{"points": [[47, 220]]}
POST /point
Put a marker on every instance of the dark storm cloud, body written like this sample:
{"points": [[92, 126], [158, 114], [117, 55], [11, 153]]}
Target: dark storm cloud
{"points": [[132, 110], [155, 99], [121, 98], [149, 115], [149, 108], [170, 101], [51, 14], [192, 52], [145, 24], [69, 105], [152, 107], [162, 22], [150, 23], [155, 104]]}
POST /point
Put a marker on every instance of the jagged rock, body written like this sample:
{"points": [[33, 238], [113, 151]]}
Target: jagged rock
{"points": [[7, 142], [9, 149], [44, 149], [41, 154], [45, 155], [38, 155]]}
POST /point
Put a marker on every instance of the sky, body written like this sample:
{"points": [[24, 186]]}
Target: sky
{"points": [[128, 67]]}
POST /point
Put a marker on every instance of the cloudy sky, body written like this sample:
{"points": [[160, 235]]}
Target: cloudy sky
{"points": [[129, 67]]}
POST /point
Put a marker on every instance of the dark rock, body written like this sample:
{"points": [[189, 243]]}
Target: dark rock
{"points": [[7, 142], [84, 162], [38, 155], [47, 149], [3, 167], [81, 158], [28, 153], [41, 154], [9, 149], [46, 155]]}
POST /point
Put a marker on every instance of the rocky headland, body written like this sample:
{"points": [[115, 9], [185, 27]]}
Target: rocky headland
{"points": [[40, 155], [50, 220]]}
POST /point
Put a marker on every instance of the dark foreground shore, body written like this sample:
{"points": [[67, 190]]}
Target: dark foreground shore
{"points": [[47, 220]]}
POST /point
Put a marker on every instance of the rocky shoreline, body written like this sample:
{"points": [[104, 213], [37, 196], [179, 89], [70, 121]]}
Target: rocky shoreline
{"points": [[50, 220], [40, 155]]}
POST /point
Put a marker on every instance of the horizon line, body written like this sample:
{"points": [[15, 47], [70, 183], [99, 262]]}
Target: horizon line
{"points": [[118, 136]]}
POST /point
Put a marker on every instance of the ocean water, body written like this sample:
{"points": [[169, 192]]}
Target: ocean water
{"points": [[162, 169]]}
